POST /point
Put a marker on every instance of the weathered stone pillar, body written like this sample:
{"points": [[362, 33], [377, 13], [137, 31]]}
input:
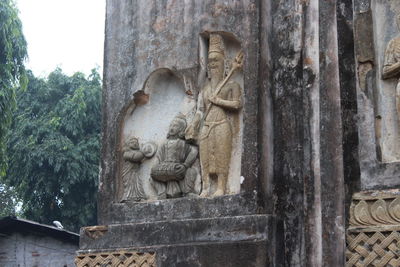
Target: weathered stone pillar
{"points": [[332, 173], [308, 153]]}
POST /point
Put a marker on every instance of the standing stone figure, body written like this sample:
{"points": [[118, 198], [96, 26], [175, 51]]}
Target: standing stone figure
{"points": [[133, 189], [219, 97], [173, 175], [391, 67]]}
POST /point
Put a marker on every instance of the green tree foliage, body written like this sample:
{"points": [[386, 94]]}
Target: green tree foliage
{"points": [[8, 201], [54, 148], [12, 56]]}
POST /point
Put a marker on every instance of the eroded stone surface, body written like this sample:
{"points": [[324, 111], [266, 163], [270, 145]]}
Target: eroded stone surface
{"points": [[385, 31], [163, 37], [377, 120], [147, 117]]}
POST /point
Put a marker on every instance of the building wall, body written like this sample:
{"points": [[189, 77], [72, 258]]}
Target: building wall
{"points": [[18, 250]]}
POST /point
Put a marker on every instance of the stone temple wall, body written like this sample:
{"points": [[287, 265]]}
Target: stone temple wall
{"points": [[372, 232], [248, 133], [161, 59]]}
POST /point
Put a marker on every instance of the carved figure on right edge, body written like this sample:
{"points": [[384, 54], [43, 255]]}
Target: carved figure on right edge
{"points": [[173, 175], [217, 98], [391, 67]]}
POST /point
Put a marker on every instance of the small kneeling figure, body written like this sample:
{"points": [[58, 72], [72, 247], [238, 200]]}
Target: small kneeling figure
{"points": [[173, 175]]}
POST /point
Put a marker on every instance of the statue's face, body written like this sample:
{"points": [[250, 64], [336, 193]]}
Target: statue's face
{"points": [[216, 63], [134, 143], [175, 128]]}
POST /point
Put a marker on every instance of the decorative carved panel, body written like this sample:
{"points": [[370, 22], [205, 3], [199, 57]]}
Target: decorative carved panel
{"points": [[121, 258], [373, 237], [181, 134]]}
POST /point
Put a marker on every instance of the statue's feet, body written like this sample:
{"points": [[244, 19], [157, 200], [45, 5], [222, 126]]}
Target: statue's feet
{"points": [[161, 197], [204, 193], [218, 193]]}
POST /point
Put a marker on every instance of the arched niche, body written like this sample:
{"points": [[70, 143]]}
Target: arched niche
{"points": [[148, 116]]}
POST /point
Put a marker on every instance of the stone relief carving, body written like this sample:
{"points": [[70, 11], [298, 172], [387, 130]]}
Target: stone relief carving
{"points": [[373, 236], [384, 78], [133, 155], [121, 258], [173, 175], [148, 117], [202, 151], [391, 66], [211, 126], [382, 208]]}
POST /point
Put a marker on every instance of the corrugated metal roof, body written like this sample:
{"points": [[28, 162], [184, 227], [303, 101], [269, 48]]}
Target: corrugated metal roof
{"points": [[13, 224]]}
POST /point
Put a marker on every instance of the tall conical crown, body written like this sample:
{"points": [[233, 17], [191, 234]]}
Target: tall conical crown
{"points": [[216, 44]]}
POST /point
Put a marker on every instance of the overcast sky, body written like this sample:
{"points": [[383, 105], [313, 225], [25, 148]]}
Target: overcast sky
{"points": [[63, 33]]}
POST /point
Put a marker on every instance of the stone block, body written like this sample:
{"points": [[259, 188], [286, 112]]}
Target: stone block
{"points": [[220, 241], [181, 208]]}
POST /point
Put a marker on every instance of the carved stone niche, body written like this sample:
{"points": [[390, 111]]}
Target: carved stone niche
{"points": [[386, 24], [376, 37], [210, 111], [147, 118]]}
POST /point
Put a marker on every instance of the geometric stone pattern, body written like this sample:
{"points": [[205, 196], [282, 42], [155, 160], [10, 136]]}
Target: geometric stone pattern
{"points": [[373, 249], [373, 238], [120, 258]]}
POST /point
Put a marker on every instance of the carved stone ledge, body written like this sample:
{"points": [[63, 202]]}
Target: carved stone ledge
{"points": [[375, 208], [373, 237], [95, 232], [122, 258]]}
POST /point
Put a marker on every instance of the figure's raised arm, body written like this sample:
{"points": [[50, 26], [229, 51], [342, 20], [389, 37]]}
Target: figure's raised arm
{"points": [[235, 98]]}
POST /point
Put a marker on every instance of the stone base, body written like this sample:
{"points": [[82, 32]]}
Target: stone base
{"points": [[225, 241], [180, 209]]}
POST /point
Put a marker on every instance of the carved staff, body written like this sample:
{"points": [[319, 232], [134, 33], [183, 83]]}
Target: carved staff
{"points": [[238, 63]]}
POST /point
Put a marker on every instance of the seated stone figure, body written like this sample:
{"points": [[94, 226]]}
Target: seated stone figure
{"points": [[173, 175]]}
